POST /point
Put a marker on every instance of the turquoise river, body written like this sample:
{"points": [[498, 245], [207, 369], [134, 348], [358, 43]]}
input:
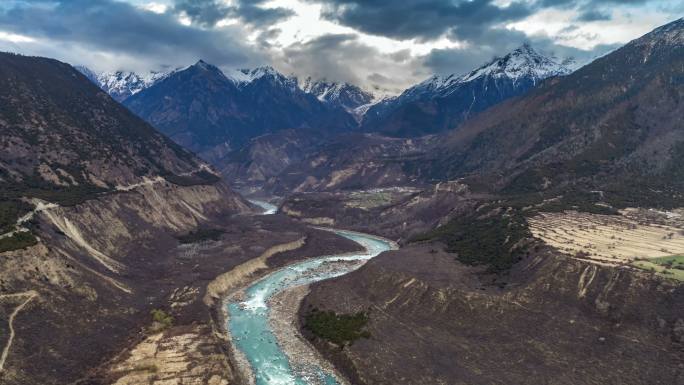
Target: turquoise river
{"points": [[248, 319]]}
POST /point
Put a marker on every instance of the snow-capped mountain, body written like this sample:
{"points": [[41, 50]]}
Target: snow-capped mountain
{"points": [[211, 111], [523, 64], [245, 76], [443, 102], [122, 84], [343, 94]]}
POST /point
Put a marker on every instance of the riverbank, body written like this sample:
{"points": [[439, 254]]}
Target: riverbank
{"points": [[248, 315], [284, 321], [232, 283]]}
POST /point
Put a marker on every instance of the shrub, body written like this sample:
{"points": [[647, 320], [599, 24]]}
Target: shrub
{"points": [[340, 329], [161, 319], [20, 240], [483, 240]]}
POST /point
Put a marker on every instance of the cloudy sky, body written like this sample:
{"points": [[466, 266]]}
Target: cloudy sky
{"points": [[380, 44]]}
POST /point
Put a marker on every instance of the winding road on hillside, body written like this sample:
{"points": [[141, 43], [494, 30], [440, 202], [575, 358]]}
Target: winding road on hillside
{"points": [[29, 296]]}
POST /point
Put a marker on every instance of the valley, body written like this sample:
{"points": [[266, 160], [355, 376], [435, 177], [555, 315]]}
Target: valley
{"points": [[521, 222]]}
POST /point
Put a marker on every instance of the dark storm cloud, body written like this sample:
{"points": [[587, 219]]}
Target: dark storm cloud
{"points": [[594, 15], [121, 28], [460, 61], [422, 19], [210, 12], [476, 23], [251, 13], [203, 12], [459, 19]]}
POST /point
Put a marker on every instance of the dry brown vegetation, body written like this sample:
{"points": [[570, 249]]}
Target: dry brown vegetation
{"points": [[609, 239]]}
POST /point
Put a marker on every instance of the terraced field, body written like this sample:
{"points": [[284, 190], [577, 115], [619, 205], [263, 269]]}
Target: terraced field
{"points": [[615, 239]]}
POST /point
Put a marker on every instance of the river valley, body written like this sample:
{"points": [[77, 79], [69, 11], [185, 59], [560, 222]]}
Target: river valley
{"points": [[249, 312]]}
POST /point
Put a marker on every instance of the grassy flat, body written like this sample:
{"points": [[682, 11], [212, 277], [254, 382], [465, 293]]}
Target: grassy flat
{"points": [[656, 264], [675, 260]]}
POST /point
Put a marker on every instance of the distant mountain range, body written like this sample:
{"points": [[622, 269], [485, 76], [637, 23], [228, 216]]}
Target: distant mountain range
{"points": [[613, 127], [122, 84], [441, 103], [212, 113], [218, 113], [434, 105]]}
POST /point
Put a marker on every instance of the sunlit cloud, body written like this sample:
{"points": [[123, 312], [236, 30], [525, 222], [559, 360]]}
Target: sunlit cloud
{"points": [[383, 45], [15, 38]]}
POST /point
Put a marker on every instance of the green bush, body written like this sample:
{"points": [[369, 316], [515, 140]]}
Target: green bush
{"points": [[340, 329], [20, 240], [161, 319], [10, 211]]}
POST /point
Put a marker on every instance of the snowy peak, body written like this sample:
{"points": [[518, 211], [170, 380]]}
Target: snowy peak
{"points": [[343, 94], [442, 103], [246, 77], [264, 71], [521, 62], [122, 84], [204, 66]]}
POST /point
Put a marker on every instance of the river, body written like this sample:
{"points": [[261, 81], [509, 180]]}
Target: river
{"points": [[268, 207], [248, 319]]}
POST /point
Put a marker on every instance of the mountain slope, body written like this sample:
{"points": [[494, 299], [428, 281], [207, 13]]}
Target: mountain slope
{"points": [[443, 102], [61, 131], [609, 134], [613, 125], [92, 199], [211, 113]]}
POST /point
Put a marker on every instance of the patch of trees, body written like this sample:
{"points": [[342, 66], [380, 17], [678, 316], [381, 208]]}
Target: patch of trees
{"points": [[160, 320], [19, 240], [201, 235], [340, 329], [492, 240]]}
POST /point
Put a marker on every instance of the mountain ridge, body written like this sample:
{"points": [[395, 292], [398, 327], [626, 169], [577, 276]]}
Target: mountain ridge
{"points": [[441, 103], [607, 125], [213, 113]]}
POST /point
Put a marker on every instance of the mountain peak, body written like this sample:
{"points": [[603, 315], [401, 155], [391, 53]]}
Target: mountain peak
{"points": [[202, 65], [343, 94], [669, 34], [523, 61], [524, 49], [122, 84], [262, 71]]}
